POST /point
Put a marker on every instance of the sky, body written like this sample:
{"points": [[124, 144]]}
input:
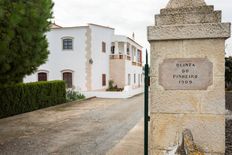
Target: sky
{"points": [[126, 16]]}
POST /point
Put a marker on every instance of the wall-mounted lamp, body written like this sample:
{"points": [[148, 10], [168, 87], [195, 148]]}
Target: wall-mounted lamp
{"points": [[90, 61]]}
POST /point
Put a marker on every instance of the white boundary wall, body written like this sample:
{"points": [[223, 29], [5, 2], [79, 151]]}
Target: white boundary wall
{"points": [[108, 94]]}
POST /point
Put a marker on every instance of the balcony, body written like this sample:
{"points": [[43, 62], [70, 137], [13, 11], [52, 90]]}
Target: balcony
{"points": [[125, 57], [120, 56], [136, 64]]}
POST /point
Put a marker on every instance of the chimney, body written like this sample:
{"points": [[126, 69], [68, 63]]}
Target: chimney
{"points": [[133, 36]]}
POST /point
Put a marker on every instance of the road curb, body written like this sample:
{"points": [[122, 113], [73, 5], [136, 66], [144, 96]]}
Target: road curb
{"points": [[131, 143]]}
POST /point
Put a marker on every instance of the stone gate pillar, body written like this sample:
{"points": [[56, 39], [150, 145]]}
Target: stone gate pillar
{"points": [[187, 76]]}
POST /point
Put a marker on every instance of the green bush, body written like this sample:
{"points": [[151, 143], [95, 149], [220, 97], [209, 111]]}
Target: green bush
{"points": [[228, 73], [112, 87], [73, 96], [27, 97]]}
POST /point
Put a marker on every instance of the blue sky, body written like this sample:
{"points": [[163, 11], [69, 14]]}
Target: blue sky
{"points": [[126, 16]]}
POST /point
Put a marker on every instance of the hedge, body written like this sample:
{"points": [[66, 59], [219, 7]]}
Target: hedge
{"points": [[27, 97]]}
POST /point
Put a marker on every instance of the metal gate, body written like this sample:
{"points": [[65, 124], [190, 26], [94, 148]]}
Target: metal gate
{"points": [[146, 103]]}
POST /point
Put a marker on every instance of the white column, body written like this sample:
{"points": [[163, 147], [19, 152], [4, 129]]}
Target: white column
{"points": [[125, 48], [116, 48], [136, 54], [130, 51]]}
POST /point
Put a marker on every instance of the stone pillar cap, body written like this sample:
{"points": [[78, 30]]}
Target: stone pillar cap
{"points": [[185, 3]]}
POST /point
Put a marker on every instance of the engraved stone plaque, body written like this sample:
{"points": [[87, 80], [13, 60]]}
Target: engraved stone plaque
{"points": [[186, 74]]}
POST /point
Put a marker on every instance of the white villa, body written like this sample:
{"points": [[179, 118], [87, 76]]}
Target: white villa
{"points": [[87, 57]]}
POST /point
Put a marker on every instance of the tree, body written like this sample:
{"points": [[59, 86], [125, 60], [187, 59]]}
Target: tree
{"points": [[23, 44], [228, 71]]}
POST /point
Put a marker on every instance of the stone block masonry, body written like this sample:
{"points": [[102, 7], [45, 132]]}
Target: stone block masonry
{"points": [[188, 31]]}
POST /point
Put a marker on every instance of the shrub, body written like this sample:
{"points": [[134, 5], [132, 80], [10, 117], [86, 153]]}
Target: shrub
{"points": [[22, 97], [73, 96], [112, 87], [228, 73]]}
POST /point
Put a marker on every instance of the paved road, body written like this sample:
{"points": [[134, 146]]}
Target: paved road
{"points": [[89, 128]]}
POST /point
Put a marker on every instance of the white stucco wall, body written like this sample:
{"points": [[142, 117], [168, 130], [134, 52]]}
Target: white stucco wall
{"points": [[129, 68], [75, 60], [132, 69], [60, 59], [100, 60]]}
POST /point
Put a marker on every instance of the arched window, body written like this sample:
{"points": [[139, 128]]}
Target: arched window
{"points": [[42, 76], [67, 77]]}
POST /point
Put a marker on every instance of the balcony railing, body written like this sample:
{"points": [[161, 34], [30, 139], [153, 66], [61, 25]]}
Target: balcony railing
{"points": [[120, 56], [137, 64], [125, 57]]}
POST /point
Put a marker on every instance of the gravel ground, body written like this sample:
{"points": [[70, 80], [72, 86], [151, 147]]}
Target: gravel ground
{"points": [[88, 128]]}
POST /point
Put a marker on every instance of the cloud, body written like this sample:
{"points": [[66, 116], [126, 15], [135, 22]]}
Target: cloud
{"points": [[126, 16]]}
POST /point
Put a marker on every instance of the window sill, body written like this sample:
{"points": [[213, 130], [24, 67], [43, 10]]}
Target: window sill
{"points": [[67, 50]]}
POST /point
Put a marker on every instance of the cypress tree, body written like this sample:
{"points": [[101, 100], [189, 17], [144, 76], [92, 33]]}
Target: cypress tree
{"points": [[228, 72], [23, 44]]}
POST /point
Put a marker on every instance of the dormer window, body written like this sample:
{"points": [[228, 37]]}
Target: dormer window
{"points": [[67, 43]]}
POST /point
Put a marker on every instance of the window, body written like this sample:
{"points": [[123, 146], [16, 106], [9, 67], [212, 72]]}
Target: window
{"points": [[139, 79], [129, 79], [103, 47], [67, 77], [103, 79], [112, 49], [42, 76], [134, 78], [67, 44], [139, 56], [128, 51]]}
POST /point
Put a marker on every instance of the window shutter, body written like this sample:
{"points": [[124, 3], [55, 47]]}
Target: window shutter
{"points": [[67, 77], [103, 79], [42, 76], [103, 47]]}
